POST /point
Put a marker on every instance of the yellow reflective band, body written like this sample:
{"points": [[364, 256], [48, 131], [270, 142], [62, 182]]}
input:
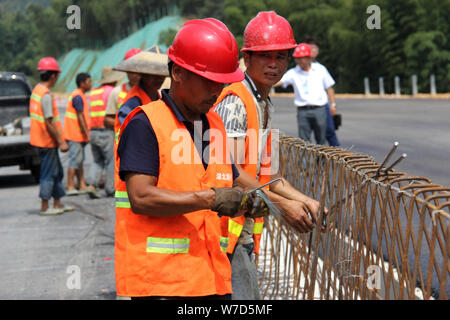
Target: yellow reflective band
{"points": [[37, 117], [35, 97], [97, 91], [258, 228], [234, 227], [167, 245], [98, 113], [224, 243], [97, 103], [122, 204], [117, 136], [122, 200], [121, 194], [122, 94], [71, 115]]}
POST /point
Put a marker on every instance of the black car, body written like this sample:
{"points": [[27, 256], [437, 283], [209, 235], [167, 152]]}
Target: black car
{"points": [[15, 148]]}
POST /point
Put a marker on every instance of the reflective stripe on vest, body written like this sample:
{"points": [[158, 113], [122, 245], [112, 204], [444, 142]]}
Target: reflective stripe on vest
{"points": [[224, 243], [167, 245], [122, 200], [258, 227], [235, 228], [122, 96], [37, 117]]}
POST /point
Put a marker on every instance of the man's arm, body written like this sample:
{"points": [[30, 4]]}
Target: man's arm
{"points": [[51, 128], [109, 121], [332, 100], [111, 108], [147, 199], [83, 123], [296, 208]]}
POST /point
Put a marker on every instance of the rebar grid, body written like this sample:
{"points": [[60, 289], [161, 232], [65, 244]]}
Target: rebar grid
{"points": [[387, 232]]}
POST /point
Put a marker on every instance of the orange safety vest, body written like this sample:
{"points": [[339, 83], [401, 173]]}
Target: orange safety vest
{"points": [[98, 107], [72, 128], [183, 255], [39, 135], [250, 166], [122, 96], [135, 91]]}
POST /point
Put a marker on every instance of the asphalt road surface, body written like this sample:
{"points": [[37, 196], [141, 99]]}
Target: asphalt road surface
{"points": [[371, 126], [71, 256]]}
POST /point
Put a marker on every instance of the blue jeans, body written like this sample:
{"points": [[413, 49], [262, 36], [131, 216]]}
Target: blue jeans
{"points": [[331, 132], [51, 175], [312, 120], [102, 147], [244, 276]]}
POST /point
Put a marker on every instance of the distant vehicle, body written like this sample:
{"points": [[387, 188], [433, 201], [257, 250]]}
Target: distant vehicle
{"points": [[15, 148]]}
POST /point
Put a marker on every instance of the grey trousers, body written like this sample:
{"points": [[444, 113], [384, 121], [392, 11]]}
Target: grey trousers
{"points": [[244, 278], [312, 120], [102, 147]]}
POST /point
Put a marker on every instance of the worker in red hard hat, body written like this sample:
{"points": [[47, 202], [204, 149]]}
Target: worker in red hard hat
{"points": [[46, 136], [170, 241], [119, 93], [246, 110]]}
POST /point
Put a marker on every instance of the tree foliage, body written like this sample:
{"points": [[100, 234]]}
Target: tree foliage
{"points": [[413, 38]]}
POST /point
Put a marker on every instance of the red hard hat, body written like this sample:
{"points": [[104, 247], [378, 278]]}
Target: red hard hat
{"points": [[207, 48], [131, 52], [48, 64], [268, 31], [302, 50]]}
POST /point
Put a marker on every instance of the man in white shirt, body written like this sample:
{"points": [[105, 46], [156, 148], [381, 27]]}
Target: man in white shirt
{"points": [[330, 107], [311, 83]]}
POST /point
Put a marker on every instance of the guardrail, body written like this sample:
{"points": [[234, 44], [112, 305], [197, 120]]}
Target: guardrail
{"points": [[387, 232]]}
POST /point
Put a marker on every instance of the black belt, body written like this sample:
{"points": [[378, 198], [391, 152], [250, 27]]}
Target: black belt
{"points": [[100, 129], [308, 107]]}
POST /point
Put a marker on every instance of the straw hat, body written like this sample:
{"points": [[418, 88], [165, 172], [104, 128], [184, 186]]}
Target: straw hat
{"points": [[111, 76], [150, 61]]}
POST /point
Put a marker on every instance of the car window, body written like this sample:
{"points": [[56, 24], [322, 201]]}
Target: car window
{"points": [[13, 88]]}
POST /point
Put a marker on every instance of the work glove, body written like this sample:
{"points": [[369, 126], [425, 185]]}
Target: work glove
{"points": [[228, 201], [255, 206]]}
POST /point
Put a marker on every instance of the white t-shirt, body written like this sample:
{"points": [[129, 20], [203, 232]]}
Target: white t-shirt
{"points": [[309, 86]]}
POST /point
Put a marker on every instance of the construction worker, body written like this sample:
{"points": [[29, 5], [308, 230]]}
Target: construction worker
{"points": [[76, 132], [101, 138], [170, 241], [246, 109], [119, 93], [152, 67], [46, 136]]}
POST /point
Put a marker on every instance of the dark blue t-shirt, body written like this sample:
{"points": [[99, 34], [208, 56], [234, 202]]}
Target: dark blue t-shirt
{"points": [[138, 147], [77, 103], [127, 107]]}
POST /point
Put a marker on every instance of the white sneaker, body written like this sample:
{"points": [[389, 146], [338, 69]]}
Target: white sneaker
{"points": [[52, 211]]}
